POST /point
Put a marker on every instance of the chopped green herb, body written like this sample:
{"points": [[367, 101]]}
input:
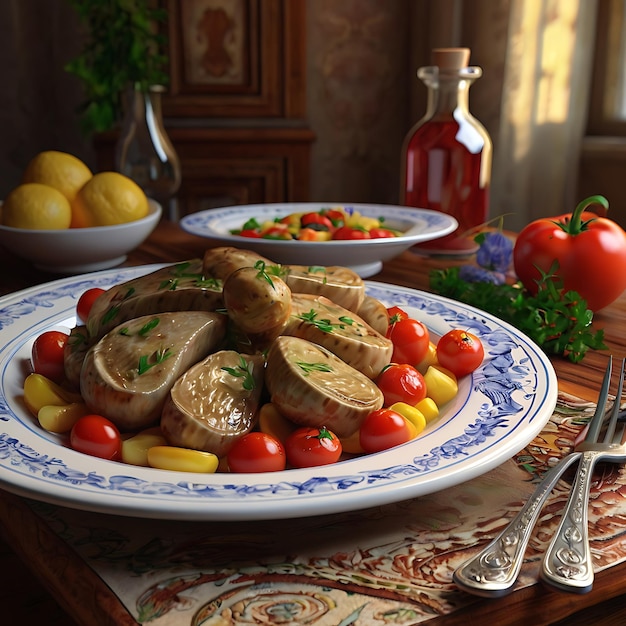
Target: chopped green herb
{"points": [[145, 364], [147, 327], [262, 273], [558, 321], [307, 368], [110, 315], [242, 371]]}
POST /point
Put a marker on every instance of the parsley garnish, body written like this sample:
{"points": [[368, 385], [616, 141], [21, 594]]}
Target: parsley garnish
{"points": [[307, 368], [558, 321], [242, 371], [325, 325], [159, 356]]}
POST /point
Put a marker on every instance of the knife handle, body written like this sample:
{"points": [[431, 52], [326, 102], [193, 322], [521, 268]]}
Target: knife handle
{"points": [[494, 570]]}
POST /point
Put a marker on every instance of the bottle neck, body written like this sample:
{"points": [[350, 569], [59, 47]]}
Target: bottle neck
{"points": [[448, 91]]}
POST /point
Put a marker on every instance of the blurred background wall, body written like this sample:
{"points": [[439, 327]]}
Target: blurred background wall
{"points": [[362, 93]]}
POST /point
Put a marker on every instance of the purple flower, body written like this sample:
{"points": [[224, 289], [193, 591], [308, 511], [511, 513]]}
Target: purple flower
{"points": [[495, 252], [473, 274]]}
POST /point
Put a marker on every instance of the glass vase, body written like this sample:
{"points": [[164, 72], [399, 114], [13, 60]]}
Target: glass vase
{"points": [[144, 151]]}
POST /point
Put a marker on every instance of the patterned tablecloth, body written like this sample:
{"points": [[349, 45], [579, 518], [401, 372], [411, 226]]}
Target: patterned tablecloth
{"points": [[386, 565]]}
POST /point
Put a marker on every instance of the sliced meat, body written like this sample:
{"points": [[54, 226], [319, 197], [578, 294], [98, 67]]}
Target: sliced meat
{"points": [[342, 332], [313, 387], [374, 312], [214, 403], [74, 354], [341, 285], [178, 287], [259, 304], [220, 262], [128, 374]]}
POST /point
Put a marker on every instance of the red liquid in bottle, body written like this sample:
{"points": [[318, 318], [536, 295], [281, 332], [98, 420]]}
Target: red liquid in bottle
{"points": [[445, 172], [447, 154]]}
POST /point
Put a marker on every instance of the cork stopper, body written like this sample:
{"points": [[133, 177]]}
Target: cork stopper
{"points": [[451, 58]]}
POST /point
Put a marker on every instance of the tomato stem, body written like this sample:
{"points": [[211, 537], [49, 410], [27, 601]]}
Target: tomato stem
{"points": [[574, 224]]}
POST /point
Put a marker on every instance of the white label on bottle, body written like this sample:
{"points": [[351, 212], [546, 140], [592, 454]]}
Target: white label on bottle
{"points": [[436, 163]]}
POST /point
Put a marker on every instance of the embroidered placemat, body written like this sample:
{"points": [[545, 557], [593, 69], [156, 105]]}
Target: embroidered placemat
{"points": [[390, 564]]}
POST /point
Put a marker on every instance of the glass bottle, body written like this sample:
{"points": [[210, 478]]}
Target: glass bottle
{"points": [[446, 156], [144, 151]]}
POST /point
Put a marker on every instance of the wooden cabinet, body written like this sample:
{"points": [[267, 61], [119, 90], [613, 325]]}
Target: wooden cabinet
{"points": [[236, 103]]}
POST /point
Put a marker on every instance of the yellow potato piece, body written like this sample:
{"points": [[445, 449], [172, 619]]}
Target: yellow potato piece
{"points": [[428, 408], [410, 413], [60, 419], [40, 391], [135, 448], [182, 459]]}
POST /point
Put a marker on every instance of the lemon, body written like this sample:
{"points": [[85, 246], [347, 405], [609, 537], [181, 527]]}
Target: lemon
{"points": [[108, 198], [60, 170], [36, 207]]}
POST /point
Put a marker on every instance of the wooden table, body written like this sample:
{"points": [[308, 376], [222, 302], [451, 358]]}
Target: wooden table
{"points": [[95, 604]]}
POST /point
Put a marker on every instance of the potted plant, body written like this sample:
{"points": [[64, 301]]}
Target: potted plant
{"points": [[124, 49]]}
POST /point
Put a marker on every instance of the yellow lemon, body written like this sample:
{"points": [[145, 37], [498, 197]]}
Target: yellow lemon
{"points": [[108, 198], [60, 170], [37, 207]]}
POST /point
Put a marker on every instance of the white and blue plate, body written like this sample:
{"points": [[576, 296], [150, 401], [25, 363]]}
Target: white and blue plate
{"points": [[498, 411], [364, 256]]}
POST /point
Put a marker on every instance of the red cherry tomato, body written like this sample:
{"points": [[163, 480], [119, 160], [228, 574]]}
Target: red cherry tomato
{"points": [[310, 447], [257, 452], [276, 232], [97, 436], [410, 341], [347, 232], [47, 355], [460, 352], [85, 302], [316, 221], [381, 233], [396, 314], [335, 216], [401, 382], [250, 233], [384, 429]]}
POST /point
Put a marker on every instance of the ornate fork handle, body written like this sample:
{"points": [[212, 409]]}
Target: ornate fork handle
{"points": [[567, 562], [493, 571]]}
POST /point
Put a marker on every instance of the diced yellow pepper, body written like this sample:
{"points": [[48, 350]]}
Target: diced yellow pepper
{"points": [[428, 360], [135, 448], [356, 220], [40, 391], [61, 418], [441, 384], [182, 459], [411, 414], [428, 408]]}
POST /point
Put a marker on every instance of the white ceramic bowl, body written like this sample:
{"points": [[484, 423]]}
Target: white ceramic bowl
{"points": [[365, 256], [78, 250]]}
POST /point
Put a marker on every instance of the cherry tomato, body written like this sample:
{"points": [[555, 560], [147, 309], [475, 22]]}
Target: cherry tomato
{"points": [[401, 382], [47, 355], [336, 217], [460, 352], [276, 232], [384, 429], [250, 233], [310, 447], [257, 452], [347, 232], [381, 233], [396, 314], [97, 436], [590, 251], [410, 341], [85, 302], [316, 221]]}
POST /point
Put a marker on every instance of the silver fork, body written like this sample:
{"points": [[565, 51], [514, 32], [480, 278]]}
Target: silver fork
{"points": [[567, 563], [494, 570]]}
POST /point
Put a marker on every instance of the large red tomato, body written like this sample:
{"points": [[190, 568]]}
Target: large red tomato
{"points": [[590, 251]]}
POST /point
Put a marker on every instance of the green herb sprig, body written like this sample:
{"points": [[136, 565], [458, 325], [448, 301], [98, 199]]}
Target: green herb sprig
{"points": [[242, 370], [558, 321]]}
